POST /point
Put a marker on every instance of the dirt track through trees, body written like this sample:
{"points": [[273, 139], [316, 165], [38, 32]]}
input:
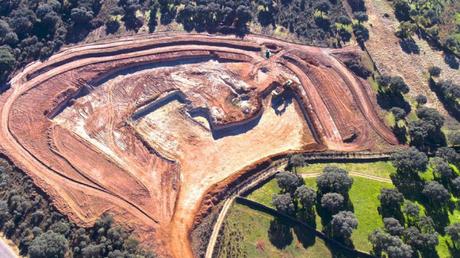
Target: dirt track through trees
{"points": [[67, 123]]}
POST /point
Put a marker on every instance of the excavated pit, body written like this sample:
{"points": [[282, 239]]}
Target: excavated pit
{"points": [[151, 128]]}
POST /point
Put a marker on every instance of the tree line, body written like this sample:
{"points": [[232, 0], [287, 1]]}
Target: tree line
{"points": [[31, 30], [331, 201], [409, 232]]}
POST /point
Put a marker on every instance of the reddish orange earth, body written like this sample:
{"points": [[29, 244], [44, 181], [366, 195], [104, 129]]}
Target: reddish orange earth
{"points": [[148, 128]]}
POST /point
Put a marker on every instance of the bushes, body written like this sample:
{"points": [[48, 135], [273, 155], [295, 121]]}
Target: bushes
{"points": [[357, 67], [37, 29], [393, 84], [434, 71], [297, 16], [357, 5]]}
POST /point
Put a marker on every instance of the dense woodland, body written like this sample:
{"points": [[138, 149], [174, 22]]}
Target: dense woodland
{"points": [[35, 29], [31, 30], [40, 231]]}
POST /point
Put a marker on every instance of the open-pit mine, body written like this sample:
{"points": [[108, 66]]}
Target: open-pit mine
{"points": [[151, 128]]}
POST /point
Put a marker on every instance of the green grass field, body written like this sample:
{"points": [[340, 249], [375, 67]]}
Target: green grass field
{"points": [[378, 168], [246, 234], [363, 195]]}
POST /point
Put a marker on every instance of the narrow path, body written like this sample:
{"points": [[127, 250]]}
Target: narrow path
{"points": [[215, 232], [228, 203]]}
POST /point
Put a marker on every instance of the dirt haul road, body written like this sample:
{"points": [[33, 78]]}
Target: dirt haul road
{"points": [[153, 128]]}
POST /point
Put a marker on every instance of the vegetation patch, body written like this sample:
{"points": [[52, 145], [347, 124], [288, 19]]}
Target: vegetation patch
{"points": [[363, 195], [250, 233], [377, 168], [32, 223], [436, 20]]}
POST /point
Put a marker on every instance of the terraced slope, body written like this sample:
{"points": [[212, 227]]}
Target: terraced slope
{"points": [[152, 128]]}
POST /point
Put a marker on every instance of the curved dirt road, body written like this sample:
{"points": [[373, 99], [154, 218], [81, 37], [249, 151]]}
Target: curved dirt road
{"points": [[193, 187]]}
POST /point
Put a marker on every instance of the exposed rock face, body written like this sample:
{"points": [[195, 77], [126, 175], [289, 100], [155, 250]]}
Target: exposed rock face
{"points": [[151, 128]]}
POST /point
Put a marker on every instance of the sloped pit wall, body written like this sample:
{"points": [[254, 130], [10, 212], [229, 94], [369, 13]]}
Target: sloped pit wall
{"points": [[243, 45]]}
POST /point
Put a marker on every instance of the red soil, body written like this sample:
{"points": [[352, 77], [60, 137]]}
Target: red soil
{"points": [[90, 128]]}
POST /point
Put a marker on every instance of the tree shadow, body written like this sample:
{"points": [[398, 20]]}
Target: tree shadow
{"points": [[325, 216], [410, 187], [440, 216], [77, 33], [391, 213], [348, 204], [453, 250], [400, 133], [305, 237], [409, 46], [4, 87], [448, 104], [451, 61], [387, 101], [323, 23], [308, 216], [266, 18], [279, 233], [167, 15], [432, 253]]}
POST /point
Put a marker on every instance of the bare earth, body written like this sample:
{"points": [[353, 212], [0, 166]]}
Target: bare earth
{"points": [[384, 48], [151, 128]]}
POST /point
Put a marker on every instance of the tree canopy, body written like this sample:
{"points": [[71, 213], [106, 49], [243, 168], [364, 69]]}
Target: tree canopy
{"points": [[332, 202], [306, 196], [49, 244], [393, 246], [334, 179], [409, 161], [436, 193], [390, 201], [284, 203], [393, 226], [453, 231], [343, 224], [288, 181]]}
